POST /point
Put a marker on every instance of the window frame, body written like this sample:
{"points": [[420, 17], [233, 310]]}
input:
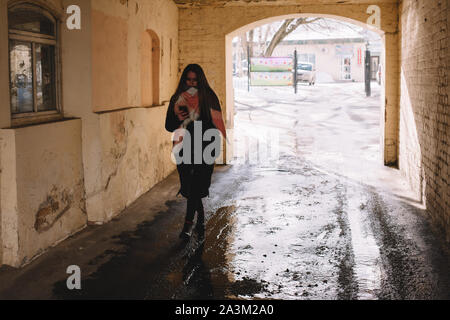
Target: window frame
{"points": [[37, 38]]}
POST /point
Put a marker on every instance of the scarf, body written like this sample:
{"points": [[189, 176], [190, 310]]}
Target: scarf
{"points": [[190, 99]]}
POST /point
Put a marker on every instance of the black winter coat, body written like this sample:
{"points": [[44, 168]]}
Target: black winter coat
{"points": [[195, 179]]}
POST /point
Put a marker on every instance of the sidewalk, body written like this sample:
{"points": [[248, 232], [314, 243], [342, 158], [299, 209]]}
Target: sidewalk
{"points": [[143, 232]]}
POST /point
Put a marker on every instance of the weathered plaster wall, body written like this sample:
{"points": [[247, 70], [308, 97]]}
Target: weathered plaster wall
{"points": [[89, 169], [135, 153], [117, 39], [5, 114], [135, 148], [41, 181], [4, 97], [44, 202], [425, 113], [103, 86], [147, 54], [8, 192], [206, 32], [109, 61], [50, 188]]}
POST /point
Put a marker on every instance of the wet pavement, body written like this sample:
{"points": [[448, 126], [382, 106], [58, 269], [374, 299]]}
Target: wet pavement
{"points": [[322, 220]]}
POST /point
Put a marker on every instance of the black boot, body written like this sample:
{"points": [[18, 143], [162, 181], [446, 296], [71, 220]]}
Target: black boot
{"points": [[200, 226], [186, 232]]}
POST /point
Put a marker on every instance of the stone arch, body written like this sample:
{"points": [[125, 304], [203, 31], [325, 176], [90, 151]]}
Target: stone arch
{"points": [[389, 120], [206, 34], [150, 68], [271, 19], [58, 13]]}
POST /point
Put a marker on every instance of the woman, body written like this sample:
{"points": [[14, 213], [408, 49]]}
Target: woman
{"points": [[194, 100]]}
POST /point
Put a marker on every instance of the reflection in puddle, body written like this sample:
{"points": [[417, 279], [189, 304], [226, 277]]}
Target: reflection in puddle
{"points": [[206, 273]]}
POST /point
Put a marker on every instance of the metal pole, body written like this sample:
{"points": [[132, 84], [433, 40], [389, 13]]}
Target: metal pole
{"points": [[295, 71], [368, 74], [248, 68]]}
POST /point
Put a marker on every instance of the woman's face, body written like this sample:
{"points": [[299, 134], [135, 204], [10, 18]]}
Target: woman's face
{"points": [[191, 80]]}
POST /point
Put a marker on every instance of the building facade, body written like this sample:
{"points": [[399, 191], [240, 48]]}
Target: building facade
{"points": [[335, 60], [82, 114]]}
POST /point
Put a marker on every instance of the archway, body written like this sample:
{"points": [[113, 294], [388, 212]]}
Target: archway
{"points": [[206, 32], [388, 111]]}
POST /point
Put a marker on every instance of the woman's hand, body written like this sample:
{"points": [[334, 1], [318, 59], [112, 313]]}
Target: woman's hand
{"points": [[183, 116], [181, 113]]}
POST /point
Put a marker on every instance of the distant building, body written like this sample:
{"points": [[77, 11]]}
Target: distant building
{"points": [[334, 59]]}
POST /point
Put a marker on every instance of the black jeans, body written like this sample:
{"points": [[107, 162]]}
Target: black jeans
{"points": [[195, 204]]}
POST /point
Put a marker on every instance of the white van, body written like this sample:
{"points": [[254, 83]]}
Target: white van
{"points": [[306, 73]]}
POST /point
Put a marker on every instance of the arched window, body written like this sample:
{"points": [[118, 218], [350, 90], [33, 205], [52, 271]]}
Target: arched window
{"points": [[150, 64], [33, 62]]}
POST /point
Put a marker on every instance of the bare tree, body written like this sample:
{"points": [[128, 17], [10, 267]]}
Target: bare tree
{"points": [[265, 47], [243, 43], [256, 40], [251, 41], [287, 27]]}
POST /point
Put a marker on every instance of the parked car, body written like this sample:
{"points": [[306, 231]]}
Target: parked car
{"points": [[306, 73]]}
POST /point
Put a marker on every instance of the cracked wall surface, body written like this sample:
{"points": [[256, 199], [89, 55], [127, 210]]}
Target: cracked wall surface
{"points": [[120, 130], [136, 156], [46, 202], [122, 146], [133, 146]]}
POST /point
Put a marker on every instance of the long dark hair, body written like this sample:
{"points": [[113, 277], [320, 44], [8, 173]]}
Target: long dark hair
{"points": [[205, 93]]}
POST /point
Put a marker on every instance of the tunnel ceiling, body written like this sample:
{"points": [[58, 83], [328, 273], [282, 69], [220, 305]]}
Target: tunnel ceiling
{"points": [[223, 3]]}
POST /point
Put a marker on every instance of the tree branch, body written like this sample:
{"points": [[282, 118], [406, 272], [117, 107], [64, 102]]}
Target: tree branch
{"points": [[284, 30]]}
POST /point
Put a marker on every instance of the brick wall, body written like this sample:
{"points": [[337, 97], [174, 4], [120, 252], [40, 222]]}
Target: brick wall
{"points": [[424, 111]]}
